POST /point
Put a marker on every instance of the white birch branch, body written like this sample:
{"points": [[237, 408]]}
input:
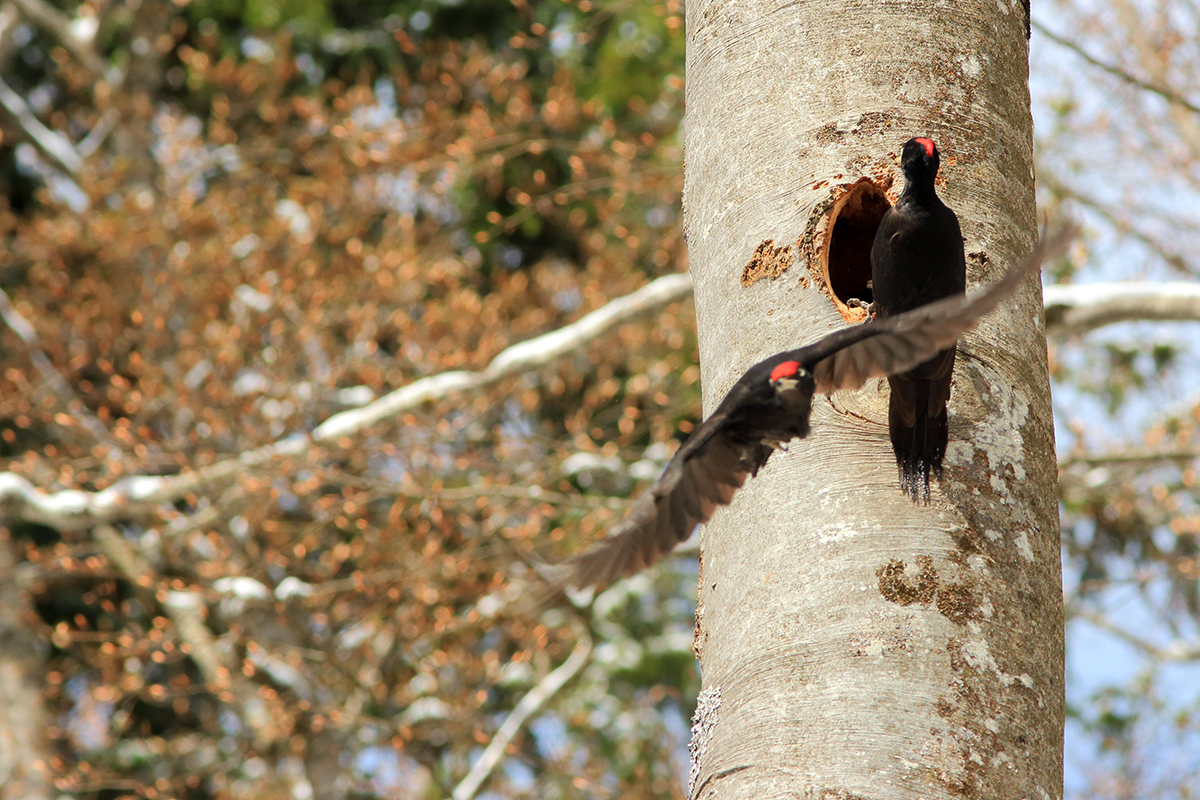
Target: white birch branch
{"points": [[1077, 309], [72, 509]]}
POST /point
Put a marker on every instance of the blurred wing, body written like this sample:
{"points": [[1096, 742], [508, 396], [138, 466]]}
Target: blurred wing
{"points": [[712, 465], [689, 491], [849, 358], [881, 352]]}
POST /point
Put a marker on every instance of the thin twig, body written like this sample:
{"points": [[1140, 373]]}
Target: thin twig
{"points": [[66, 395], [185, 608], [1177, 650], [98, 133], [59, 26], [530, 704], [1153, 55], [1117, 72], [1119, 220]]}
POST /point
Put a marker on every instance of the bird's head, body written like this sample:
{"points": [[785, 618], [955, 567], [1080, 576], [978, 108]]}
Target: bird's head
{"points": [[920, 159], [791, 376]]}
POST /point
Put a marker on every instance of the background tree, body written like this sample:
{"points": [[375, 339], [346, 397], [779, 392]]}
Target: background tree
{"points": [[277, 412], [1116, 117]]}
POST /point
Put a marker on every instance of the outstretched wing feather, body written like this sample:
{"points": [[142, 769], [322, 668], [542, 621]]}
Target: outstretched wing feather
{"points": [[720, 473], [711, 466], [850, 357], [687, 494]]}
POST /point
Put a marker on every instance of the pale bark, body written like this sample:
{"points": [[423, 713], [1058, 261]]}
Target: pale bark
{"points": [[861, 645]]}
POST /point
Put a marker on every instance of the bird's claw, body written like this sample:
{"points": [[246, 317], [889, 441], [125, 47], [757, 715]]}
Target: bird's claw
{"points": [[857, 302]]}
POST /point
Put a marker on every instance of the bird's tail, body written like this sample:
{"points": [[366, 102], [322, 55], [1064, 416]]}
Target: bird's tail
{"points": [[919, 431]]}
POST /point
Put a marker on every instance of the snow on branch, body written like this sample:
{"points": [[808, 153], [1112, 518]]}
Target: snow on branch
{"points": [[521, 357], [72, 509], [1073, 310], [544, 349]]}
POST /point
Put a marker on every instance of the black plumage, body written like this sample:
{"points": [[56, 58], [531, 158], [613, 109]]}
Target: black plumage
{"points": [[769, 406], [917, 257]]}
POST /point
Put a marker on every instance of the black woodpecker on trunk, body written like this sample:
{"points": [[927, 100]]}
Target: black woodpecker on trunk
{"points": [[770, 405], [917, 258]]}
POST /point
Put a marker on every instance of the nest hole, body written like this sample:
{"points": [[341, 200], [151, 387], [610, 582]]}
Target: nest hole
{"points": [[851, 231]]}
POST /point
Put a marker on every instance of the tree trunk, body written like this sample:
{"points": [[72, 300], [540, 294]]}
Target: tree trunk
{"points": [[852, 643]]}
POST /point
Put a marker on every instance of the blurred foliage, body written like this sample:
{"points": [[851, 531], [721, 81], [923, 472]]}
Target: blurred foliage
{"points": [[346, 198], [1117, 144]]}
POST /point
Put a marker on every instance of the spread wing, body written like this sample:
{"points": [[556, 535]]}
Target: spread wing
{"points": [[848, 358], [713, 464], [698, 480]]}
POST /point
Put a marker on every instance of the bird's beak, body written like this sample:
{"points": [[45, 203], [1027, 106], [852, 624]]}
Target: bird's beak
{"points": [[784, 384]]}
